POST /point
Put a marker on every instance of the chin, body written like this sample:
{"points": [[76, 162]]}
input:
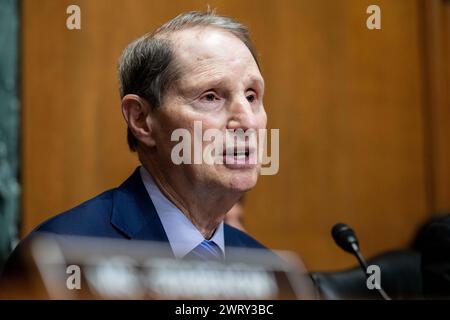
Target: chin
{"points": [[242, 181]]}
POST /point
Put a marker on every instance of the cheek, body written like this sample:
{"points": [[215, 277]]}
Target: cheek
{"points": [[213, 122], [263, 119], [182, 116], [171, 119]]}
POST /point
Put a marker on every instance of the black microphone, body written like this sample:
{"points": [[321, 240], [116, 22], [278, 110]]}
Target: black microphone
{"points": [[346, 239]]}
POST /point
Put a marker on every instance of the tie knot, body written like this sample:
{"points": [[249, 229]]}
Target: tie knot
{"points": [[206, 250]]}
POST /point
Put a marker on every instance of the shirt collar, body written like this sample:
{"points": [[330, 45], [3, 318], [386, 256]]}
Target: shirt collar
{"points": [[182, 234]]}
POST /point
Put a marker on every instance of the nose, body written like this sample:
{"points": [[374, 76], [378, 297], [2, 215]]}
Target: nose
{"points": [[241, 115]]}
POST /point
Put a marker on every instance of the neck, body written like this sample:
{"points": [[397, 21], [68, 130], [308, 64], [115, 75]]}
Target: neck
{"points": [[204, 206]]}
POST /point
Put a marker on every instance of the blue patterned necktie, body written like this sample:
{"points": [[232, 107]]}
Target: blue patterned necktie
{"points": [[207, 251]]}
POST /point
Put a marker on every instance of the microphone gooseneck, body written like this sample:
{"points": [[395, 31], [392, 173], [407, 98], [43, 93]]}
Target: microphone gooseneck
{"points": [[346, 239]]}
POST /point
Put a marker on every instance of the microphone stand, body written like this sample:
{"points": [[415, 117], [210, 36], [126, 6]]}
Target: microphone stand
{"points": [[364, 266]]}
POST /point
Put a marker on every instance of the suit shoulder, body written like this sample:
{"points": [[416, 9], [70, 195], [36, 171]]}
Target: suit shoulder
{"points": [[80, 220], [243, 238]]}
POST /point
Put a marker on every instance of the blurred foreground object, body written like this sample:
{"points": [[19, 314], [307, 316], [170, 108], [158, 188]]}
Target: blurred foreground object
{"points": [[68, 267]]}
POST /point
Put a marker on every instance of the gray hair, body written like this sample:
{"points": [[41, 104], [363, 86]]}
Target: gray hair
{"points": [[147, 67]]}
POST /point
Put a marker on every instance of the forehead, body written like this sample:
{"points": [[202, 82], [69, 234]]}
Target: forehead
{"points": [[213, 52]]}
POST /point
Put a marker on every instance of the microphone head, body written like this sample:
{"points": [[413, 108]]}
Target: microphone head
{"points": [[345, 238]]}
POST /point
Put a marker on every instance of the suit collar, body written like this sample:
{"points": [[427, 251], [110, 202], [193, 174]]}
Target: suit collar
{"points": [[133, 212]]}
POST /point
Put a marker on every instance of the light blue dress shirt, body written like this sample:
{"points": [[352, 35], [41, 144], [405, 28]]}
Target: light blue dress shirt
{"points": [[182, 234]]}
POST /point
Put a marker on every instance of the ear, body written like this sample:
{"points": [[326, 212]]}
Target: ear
{"points": [[137, 114]]}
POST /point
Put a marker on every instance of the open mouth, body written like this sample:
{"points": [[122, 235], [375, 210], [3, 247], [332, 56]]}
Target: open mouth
{"points": [[239, 156], [237, 153]]}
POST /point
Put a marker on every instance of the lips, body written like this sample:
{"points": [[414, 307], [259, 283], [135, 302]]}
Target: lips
{"points": [[239, 157], [237, 152]]}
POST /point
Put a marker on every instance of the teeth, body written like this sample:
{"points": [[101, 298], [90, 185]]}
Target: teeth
{"points": [[237, 153]]}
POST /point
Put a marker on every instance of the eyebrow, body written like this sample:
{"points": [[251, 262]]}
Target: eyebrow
{"points": [[258, 80], [210, 83], [214, 82], [217, 81]]}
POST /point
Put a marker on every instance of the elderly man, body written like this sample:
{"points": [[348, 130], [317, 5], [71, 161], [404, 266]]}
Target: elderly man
{"points": [[198, 67]]}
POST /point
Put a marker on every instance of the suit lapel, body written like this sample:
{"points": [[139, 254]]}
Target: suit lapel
{"points": [[133, 211]]}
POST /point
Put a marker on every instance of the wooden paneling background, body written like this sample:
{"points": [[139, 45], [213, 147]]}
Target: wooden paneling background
{"points": [[355, 108]]}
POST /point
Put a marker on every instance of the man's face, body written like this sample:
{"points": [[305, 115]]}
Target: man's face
{"points": [[221, 86]]}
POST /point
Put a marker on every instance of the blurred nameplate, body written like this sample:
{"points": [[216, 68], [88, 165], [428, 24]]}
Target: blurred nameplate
{"points": [[101, 268]]}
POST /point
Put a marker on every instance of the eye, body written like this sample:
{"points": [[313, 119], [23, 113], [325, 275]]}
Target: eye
{"points": [[251, 97], [209, 97]]}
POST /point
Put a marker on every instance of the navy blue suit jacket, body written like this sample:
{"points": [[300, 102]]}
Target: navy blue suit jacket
{"points": [[126, 212]]}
